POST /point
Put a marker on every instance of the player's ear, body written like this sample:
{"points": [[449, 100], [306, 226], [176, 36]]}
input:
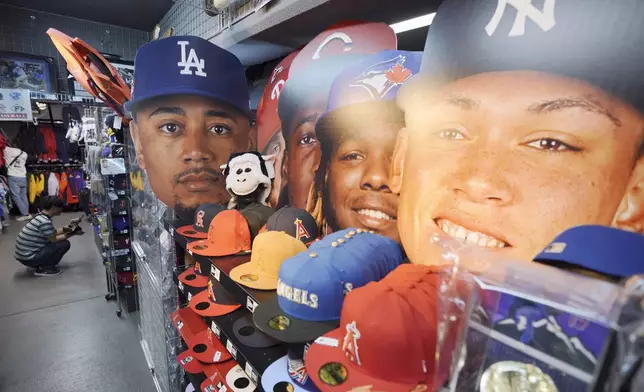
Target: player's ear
{"points": [[252, 137], [134, 132], [398, 161], [630, 215]]}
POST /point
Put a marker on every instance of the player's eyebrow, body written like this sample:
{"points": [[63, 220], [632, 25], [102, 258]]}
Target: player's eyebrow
{"points": [[167, 110], [587, 103], [461, 102], [310, 118], [220, 114]]}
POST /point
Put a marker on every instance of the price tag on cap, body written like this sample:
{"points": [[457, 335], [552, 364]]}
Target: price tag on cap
{"points": [[180, 324], [217, 356], [231, 349], [250, 372], [215, 328], [327, 341], [251, 304]]}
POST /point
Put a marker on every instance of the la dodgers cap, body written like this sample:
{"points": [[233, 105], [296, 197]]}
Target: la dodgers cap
{"points": [[270, 250], [379, 322], [602, 249], [256, 215], [204, 214], [228, 234], [248, 335], [296, 222], [312, 284], [564, 38], [375, 80], [188, 65], [197, 275], [213, 301]]}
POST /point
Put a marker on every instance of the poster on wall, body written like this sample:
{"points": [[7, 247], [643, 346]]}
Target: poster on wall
{"points": [[29, 72], [15, 105], [126, 70]]}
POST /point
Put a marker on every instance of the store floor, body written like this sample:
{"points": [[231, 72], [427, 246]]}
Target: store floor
{"points": [[58, 333]]}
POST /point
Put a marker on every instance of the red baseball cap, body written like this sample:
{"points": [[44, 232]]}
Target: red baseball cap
{"points": [[208, 349], [189, 363], [188, 323], [228, 234], [213, 301], [377, 322], [268, 122], [204, 214]]}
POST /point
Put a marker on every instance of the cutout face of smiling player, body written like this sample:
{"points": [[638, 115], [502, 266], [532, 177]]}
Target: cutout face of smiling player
{"points": [[182, 141], [508, 169]]}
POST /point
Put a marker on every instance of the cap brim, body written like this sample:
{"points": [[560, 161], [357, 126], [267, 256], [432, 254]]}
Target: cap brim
{"points": [[208, 352], [231, 376], [298, 331], [248, 335], [276, 378], [206, 248], [201, 304], [190, 278], [185, 91], [189, 363], [242, 274], [190, 232], [319, 355]]}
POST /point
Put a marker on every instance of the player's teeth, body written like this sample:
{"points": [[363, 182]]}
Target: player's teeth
{"points": [[467, 236], [375, 214]]}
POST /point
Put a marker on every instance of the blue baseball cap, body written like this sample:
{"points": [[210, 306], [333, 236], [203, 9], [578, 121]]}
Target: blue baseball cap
{"points": [[602, 249], [192, 66], [312, 285]]}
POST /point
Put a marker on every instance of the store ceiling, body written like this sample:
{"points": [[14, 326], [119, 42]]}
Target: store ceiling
{"points": [[136, 14]]}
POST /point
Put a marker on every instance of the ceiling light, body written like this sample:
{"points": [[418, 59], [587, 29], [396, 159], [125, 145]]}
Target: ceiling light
{"points": [[414, 23]]}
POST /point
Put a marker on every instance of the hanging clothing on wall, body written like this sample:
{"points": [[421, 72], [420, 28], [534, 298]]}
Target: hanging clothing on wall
{"points": [[62, 185], [48, 149]]}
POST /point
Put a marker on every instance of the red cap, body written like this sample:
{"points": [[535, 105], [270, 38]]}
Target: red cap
{"points": [[189, 363], [213, 301], [208, 349], [366, 38], [377, 322], [191, 278], [228, 234], [189, 324], [268, 122]]}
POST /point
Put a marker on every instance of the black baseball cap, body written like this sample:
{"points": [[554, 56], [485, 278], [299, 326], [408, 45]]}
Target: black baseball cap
{"points": [[256, 214], [197, 275], [596, 41], [248, 335], [296, 222], [204, 214]]}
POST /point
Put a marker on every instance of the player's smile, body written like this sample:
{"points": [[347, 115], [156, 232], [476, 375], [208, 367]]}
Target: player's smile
{"points": [[469, 237]]}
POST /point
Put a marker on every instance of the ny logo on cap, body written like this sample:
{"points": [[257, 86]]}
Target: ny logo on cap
{"points": [[544, 19], [192, 61]]}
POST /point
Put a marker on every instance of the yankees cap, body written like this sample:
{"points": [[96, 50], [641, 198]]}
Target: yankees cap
{"points": [[372, 81], [601, 249], [188, 65], [296, 222], [204, 214], [312, 284], [596, 41]]}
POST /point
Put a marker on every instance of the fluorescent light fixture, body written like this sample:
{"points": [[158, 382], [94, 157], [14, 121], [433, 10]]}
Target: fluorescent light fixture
{"points": [[414, 23]]}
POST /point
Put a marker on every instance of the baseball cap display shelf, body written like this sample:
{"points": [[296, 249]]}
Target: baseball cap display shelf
{"points": [[254, 361]]}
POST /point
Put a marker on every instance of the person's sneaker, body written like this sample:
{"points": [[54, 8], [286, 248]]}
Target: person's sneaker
{"points": [[24, 218], [52, 271]]}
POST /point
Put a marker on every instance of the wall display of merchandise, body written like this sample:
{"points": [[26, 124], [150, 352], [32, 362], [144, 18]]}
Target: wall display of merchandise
{"points": [[407, 221]]}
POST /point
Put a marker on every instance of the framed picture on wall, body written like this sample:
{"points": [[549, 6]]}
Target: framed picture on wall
{"points": [[126, 70], [30, 72]]}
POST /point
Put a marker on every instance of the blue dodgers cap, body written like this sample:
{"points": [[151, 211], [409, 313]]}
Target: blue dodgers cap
{"points": [[597, 248], [312, 285], [192, 66]]}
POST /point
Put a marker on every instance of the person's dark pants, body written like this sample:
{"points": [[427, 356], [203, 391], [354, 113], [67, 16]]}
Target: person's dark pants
{"points": [[48, 256]]}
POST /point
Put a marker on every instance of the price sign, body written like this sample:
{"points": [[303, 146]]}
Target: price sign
{"points": [[172, 232], [231, 349], [215, 273], [215, 328], [181, 286], [189, 297], [251, 304], [250, 372]]}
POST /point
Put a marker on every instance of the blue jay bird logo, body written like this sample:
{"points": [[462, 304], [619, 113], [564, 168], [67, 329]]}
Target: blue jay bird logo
{"points": [[380, 78], [15, 95]]}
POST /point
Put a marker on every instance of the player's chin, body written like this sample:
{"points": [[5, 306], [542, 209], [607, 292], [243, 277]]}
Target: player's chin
{"points": [[195, 197]]}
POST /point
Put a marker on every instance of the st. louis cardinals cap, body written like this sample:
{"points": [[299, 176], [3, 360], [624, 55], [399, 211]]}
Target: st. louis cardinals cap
{"points": [[602, 249], [228, 234], [374, 81], [188, 65], [213, 301], [204, 214], [312, 285], [270, 250], [296, 222], [563, 38]]}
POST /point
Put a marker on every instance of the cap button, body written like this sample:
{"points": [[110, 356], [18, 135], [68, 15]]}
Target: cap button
{"points": [[340, 240], [352, 233], [359, 230], [313, 254], [334, 244]]}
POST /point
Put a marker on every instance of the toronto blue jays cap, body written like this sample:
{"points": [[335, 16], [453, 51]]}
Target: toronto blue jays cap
{"points": [[312, 284], [191, 66], [295, 222], [600, 249], [596, 41], [374, 80]]}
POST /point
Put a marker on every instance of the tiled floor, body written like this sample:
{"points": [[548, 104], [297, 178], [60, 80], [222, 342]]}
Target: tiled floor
{"points": [[58, 333]]}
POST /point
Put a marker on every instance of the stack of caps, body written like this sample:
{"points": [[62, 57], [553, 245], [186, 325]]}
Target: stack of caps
{"points": [[204, 214], [387, 337], [206, 361], [311, 290]]}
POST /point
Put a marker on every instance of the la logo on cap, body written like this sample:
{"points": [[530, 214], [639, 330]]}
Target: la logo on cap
{"points": [[350, 343], [524, 10], [301, 230], [192, 61], [200, 216]]}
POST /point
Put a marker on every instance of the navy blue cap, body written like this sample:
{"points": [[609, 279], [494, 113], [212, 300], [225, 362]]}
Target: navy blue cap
{"points": [[192, 66], [597, 41], [601, 249], [312, 285], [295, 222]]}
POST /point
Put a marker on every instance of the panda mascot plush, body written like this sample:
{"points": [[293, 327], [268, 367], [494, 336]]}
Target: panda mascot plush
{"points": [[248, 179]]}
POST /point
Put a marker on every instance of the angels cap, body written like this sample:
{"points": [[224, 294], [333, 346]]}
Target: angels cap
{"points": [[204, 214], [228, 234]]}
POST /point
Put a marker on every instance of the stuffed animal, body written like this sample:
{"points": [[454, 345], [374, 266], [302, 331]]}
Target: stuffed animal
{"points": [[248, 179]]}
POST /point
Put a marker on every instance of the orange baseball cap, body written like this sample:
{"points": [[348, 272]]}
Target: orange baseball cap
{"points": [[228, 234]]}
